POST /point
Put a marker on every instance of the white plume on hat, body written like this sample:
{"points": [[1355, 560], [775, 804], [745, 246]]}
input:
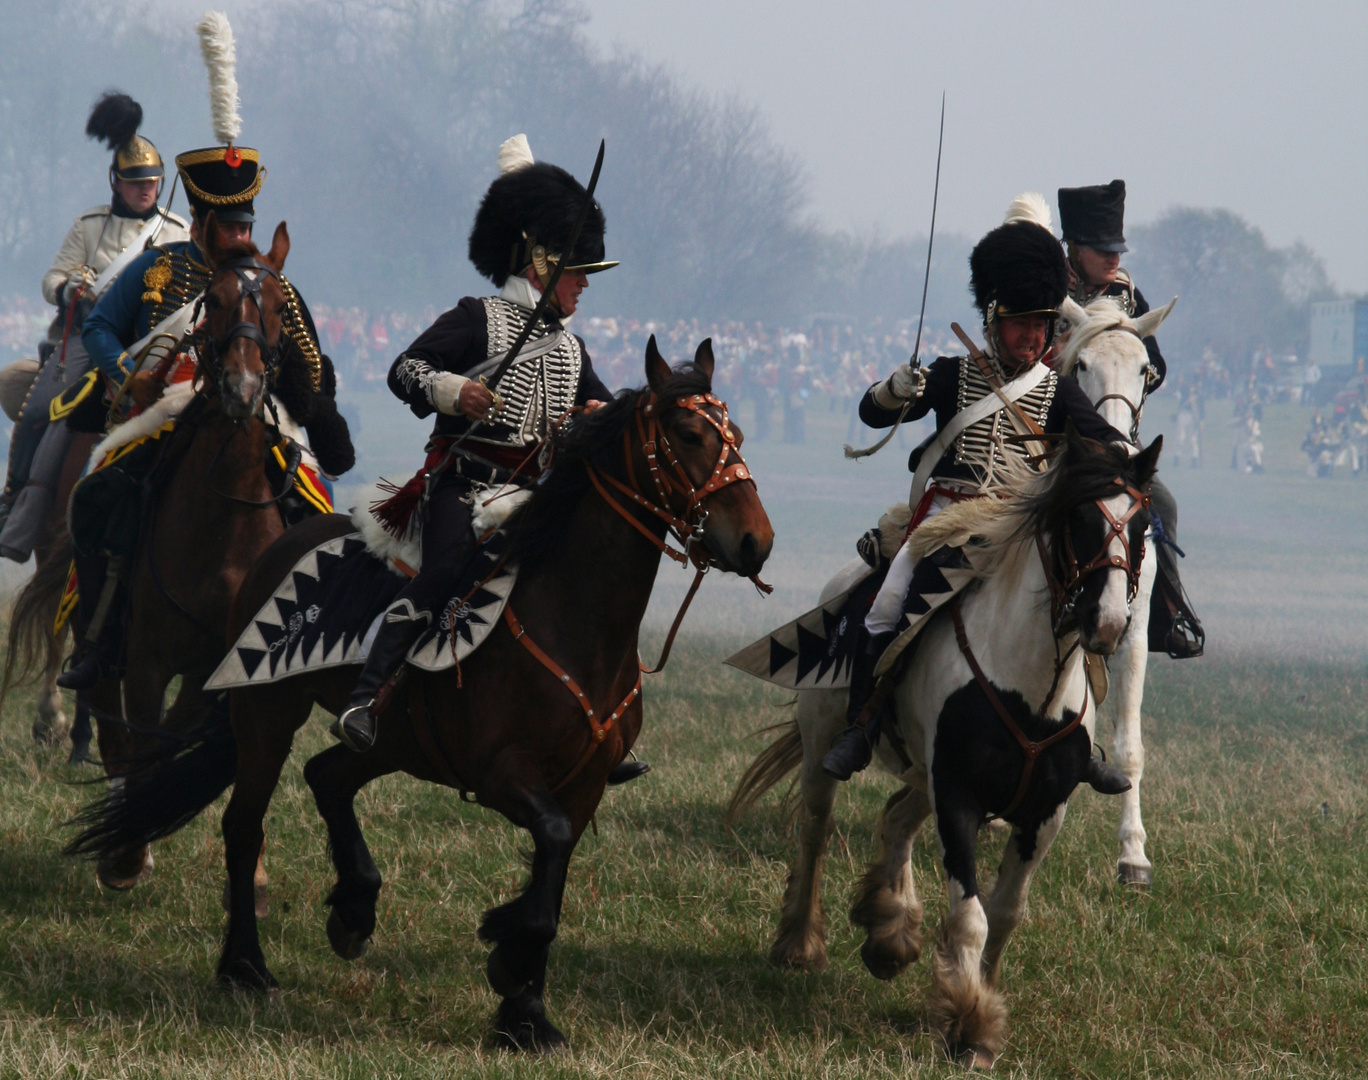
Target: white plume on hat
{"points": [[514, 154], [1030, 206], [220, 57]]}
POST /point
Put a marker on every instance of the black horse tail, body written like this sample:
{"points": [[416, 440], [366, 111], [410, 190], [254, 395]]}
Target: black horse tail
{"points": [[31, 642], [164, 790], [774, 763]]}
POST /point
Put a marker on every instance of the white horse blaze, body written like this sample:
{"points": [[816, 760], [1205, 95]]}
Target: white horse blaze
{"points": [[1113, 609]]}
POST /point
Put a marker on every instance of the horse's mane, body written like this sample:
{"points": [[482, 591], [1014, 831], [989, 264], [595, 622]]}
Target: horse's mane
{"points": [[596, 439], [998, 533], [1104, 313]]}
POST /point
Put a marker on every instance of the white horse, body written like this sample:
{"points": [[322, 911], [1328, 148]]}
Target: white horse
{"points": [[993, 715], [1104, 352]]}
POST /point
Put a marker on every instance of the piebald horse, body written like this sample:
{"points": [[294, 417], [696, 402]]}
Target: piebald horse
{"points": [[1105, 353], [992, 717]]}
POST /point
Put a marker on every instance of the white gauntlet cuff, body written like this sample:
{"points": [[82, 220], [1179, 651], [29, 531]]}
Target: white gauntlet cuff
{"points": [[884, 397], [445, 391]]}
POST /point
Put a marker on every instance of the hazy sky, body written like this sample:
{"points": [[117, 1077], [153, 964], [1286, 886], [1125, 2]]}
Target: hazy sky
{"points": [[1258, 107]]}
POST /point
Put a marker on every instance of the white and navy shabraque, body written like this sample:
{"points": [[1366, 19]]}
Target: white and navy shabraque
{"points": [[326, 612]]}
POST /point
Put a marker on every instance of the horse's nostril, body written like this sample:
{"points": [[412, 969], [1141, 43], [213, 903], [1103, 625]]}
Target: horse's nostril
{"points": [[750, 550]]}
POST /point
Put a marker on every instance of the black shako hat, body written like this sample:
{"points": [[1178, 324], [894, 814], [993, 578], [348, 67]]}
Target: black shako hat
{"points": [[1095, 216], [224, 179], [528, 214], [1018, 269]]}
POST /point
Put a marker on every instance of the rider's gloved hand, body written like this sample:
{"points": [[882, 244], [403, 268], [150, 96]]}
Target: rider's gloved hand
{"points": [[145, 387], [907, 383]]}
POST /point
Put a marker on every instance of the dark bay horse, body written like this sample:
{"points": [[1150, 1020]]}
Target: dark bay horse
{"points": [[211, 515], [507, 726]]}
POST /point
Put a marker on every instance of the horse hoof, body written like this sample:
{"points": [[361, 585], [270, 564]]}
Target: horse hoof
{"points": [[501, 980], [348, 944], [976, 1057], [1139, 877], [522, 1025], [49, 732], [122, 872], [798, 959], [80, 753], [242, 976], [879, 963]]}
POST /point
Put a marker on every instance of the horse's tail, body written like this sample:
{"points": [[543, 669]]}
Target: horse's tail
{"points": [[31, 642], [164, 790], [772, 764]]}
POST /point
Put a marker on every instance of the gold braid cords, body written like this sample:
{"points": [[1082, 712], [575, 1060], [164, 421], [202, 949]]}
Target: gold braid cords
{"points": [[298, 331]]}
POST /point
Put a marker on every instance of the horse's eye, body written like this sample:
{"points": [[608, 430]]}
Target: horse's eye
{"points": [[1082, 366], [690, 438]]}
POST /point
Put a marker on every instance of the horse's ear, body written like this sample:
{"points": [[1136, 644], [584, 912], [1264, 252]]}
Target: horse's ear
{"points": [[1146, 462], [280, 248], [1078, 446], [657, 370], [1072, 310], [1150, 321], [703, 358]]}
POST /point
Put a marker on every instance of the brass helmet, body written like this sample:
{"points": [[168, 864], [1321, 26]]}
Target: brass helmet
{"points": [[115, 120]]}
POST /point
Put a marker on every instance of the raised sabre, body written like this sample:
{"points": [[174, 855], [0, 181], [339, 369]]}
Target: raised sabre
{"points": [[915, 362]]}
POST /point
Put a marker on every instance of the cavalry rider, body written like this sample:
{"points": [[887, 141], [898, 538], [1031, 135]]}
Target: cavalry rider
{"points": [[158, 293], [521, 232], [1019, 279], [1093, 221], [102, 241]]}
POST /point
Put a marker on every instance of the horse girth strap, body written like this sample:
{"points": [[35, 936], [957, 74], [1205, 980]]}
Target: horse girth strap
{"points": [[1029, 747], [598, 728]]}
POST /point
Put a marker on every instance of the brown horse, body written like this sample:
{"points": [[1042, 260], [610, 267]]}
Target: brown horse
{"points": [[508, 727], [212, 514], [33, 651]]}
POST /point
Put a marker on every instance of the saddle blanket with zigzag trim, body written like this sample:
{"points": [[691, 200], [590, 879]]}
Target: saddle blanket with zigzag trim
{"points": [[326, 612], [815, 651]]}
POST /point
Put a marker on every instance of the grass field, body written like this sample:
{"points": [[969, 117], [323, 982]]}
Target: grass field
{"points": [[1247, 956]]}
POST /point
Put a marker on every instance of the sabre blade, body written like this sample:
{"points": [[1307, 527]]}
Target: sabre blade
{"points": [[931, 238]]}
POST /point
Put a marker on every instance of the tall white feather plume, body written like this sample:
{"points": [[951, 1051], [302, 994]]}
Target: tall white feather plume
{"points": [[220, 57], [514, 154], [1030, 206]]}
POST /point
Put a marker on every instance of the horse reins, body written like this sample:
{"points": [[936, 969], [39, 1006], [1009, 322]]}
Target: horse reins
{"points": [[1031, 748], [1063, 596], [669, 479]]}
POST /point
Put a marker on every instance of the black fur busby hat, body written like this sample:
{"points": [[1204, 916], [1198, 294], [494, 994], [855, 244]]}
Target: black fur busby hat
{"points": [[115, 120], [1095, 216], [1018, 269], [528, 214]]}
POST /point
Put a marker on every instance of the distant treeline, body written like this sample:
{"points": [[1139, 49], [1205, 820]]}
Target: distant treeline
{"points": [[379, 120]]}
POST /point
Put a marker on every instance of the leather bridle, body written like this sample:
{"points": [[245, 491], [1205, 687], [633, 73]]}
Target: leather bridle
{"points": [[675, 500], [1068, 583], [250, 272]]}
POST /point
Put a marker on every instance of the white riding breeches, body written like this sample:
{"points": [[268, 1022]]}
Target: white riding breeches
{"points": [[887, 608]]}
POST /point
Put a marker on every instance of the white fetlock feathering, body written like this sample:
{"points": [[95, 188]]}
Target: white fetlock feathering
{"points": [[1030, 206], [514, 154], [220, 57]]}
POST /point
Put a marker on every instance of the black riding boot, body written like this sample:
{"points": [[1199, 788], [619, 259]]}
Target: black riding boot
{"points": [[100, 654], [1173, 626], [399, 629], [1104, 778], [854, 750]]}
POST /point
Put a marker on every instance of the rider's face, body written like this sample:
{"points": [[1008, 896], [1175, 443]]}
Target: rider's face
{"points": [[568, 289], [230, 232], [1099, 267], [1022, 336], [138, 195]]}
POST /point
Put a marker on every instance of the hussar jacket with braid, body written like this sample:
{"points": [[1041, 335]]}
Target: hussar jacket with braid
{"points": [[552, 375], [955, 382]]}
